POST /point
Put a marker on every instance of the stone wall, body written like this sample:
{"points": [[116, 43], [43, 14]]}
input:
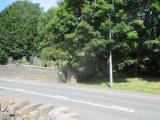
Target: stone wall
{"points": [[8, 71], [24, 110], [28, 72]]}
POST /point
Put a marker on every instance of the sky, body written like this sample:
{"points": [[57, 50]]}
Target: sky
{"points": [[46, 4]]}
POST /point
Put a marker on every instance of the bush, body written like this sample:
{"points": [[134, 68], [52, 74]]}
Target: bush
{"points": [[3, 57], [24, 61]]}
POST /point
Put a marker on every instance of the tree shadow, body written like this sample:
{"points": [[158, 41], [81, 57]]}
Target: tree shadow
{"points": [[150, 78], [119, 79]]}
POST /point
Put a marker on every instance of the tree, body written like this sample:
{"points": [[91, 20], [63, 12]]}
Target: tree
{"points": [[150, 36], [80, 30], [18, 29], [43, 21]]}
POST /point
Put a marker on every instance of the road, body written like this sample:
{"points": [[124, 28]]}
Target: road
{"points": [[91, 104]]}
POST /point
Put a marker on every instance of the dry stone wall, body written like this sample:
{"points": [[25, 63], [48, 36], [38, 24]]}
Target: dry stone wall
{"points": [[24, 110], [28, 72], [8, 71]]}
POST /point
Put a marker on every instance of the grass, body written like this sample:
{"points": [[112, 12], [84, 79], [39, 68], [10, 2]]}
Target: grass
{"points": [[144, 85]]}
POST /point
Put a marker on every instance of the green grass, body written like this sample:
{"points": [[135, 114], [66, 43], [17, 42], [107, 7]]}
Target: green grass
{"points": [[144, 85]]}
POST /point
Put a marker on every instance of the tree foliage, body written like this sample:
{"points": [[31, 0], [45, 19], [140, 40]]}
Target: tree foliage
{"points": [[82, 28], [3, 57], [79, 35], [18, 29]]}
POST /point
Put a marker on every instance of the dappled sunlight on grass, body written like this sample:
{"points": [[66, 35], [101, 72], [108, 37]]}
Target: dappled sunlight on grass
{"points": [[145, 85]]}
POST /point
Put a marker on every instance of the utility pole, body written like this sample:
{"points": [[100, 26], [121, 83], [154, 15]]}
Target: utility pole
{"points": [[110, 55], [110, 64]]}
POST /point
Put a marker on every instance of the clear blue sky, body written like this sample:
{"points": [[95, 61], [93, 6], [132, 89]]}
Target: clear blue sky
{"points": [[43, 3]]}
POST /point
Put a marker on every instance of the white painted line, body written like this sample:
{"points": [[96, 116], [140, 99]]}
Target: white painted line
{"points": [[64, 97], [9, 80], [21, 90], [73, 100], [122, 108]]}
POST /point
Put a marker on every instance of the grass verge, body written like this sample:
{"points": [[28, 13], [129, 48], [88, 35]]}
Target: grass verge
{"points": [[144, 85]]}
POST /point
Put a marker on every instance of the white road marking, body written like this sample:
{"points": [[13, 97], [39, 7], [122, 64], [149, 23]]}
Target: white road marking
{"points": [[64, 97], [73, 100], [9, 80]]}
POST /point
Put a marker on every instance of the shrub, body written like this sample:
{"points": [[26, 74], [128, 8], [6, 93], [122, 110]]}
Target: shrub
{"points": [[3, 57]]}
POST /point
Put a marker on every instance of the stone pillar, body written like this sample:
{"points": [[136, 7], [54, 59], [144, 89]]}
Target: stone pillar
{"points": [[71, 77]]}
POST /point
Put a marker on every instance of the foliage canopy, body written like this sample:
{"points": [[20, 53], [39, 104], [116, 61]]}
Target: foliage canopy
{"points": [[79, 34]]}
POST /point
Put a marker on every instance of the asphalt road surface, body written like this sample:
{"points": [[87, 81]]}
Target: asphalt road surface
{"points": [[91, 104]]}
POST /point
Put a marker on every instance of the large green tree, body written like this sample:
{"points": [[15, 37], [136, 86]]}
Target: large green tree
{"points": [[82, 33], [18, 29], [150, 39]]}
